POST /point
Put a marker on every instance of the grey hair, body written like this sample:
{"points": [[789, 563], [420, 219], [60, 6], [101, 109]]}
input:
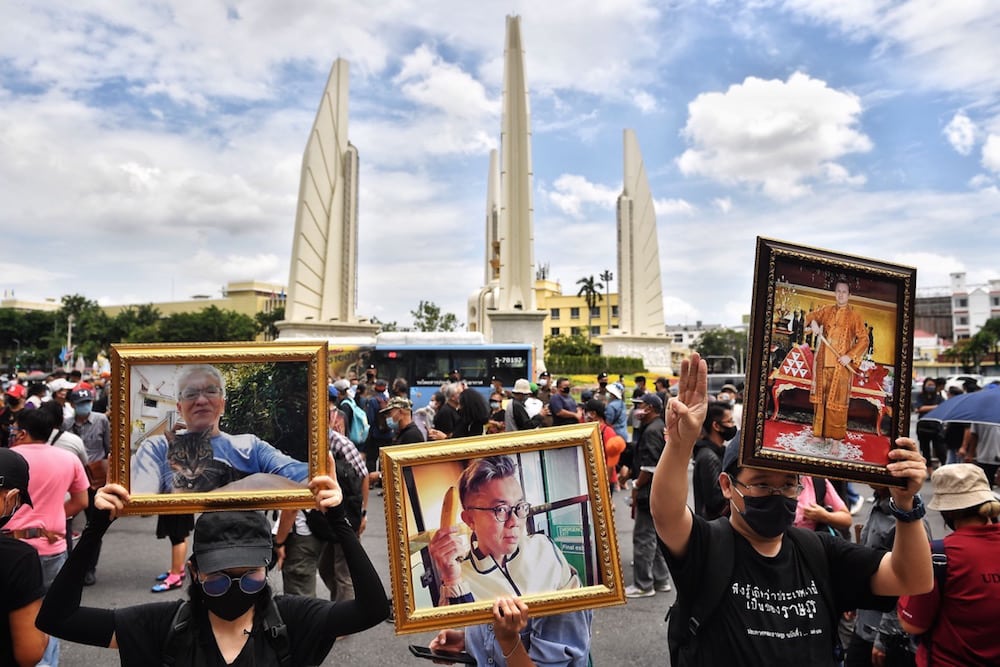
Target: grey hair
{"points": [[202, 369], [451, 390], [481, 471]]}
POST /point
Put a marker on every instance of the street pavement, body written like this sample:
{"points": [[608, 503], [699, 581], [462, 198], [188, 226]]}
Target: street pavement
{"points": [[634, 633]]}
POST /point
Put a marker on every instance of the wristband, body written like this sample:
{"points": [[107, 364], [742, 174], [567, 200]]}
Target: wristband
{"points": [[278, 545], [915, 514]]}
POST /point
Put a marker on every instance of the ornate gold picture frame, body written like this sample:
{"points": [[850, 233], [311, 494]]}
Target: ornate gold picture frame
{"points": [[555, 516], [828, 380], [212, 426]]}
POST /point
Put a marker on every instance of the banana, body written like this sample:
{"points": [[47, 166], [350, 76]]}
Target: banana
{"points": [[451, 509]]}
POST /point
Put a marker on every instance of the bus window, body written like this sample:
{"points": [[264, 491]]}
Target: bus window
{"points": [[509, 365], [430, 367], [472, 368]]}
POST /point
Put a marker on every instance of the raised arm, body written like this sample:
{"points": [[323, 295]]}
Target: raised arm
{"points": [[370, 606], [668, 495], [61, 614], [907, 569]]}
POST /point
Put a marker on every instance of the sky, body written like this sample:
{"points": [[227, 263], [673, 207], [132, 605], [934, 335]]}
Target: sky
{"points": [[151, 151]]}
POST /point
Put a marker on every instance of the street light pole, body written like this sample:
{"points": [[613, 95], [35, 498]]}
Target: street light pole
{"points": [[17, 356], [607, 277]]}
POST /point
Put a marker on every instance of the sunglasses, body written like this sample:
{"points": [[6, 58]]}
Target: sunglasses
{"points": [[217, 584]]}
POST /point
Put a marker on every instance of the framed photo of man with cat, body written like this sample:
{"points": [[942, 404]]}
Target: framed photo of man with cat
{"points": [[212, 426]]}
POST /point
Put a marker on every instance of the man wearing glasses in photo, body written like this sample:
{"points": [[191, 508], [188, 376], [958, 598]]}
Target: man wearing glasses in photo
{"points": [[500, 562], [782, 588], [204, 458]]}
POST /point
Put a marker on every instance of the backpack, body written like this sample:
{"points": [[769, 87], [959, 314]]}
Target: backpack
{"points": [[358, 429], [685, 618], [939, 561], [179, 639], [819, 488]]}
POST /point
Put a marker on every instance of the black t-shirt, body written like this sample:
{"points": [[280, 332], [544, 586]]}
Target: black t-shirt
{"points": [[20, 585], [409, 435], [773, 611], [142, 630], [447, 419]]}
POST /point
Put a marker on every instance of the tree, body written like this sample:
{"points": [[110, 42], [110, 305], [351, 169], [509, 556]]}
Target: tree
{"points": [[428, 317], [135, 324], [590, 290], [387, 326], [969, 352], [266, 322], [91, 326], [208, 325], [723, 343], [571, 346]]}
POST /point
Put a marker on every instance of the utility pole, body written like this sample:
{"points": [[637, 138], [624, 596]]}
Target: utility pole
{"points": [[607, 277], [69, 342]]}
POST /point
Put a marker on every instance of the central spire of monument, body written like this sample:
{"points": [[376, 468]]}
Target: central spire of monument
{"points": [[517, 255]]}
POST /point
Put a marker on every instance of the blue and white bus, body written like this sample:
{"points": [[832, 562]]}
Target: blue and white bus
{"points": [[426, 359]]}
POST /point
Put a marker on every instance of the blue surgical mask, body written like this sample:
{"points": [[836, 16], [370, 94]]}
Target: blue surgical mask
{"points": [[391, 423], [83, 409]]}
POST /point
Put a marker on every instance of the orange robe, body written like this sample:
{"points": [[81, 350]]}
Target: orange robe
{"points": [[831, 390]]}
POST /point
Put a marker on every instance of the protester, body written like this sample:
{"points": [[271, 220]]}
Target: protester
{"points": [[778, 600], [232, 614], [956, 619], [21, 586], [614, 444], [717, 429]]}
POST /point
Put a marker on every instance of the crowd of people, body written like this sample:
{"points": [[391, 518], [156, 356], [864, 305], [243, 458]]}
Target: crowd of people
{"points": [[765, 565]]}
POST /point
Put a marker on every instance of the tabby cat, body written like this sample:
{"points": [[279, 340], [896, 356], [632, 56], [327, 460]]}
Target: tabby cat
{"points": [[195, 469]]}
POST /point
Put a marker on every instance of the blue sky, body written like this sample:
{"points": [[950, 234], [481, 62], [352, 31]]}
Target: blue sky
{"points": [[151, 150]]}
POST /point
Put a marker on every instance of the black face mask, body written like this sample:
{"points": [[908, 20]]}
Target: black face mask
{"points": [[728, 432], [232, 604], [565, 390], [769, 516]]}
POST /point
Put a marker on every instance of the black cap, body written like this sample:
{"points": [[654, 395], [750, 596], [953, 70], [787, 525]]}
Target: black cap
{"points": [[14, 473], [731, 459], [603, 375], [544, 374], [652, 400], [595, 405], [80, 396], [224, 540]]}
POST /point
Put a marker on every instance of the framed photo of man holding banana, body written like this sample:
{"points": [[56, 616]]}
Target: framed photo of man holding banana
{"points": [[524, 514]]}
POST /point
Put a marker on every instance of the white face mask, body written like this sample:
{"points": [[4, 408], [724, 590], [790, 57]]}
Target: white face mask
{"points": [[543, 382]]}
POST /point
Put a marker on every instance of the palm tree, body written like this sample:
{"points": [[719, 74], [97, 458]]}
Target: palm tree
{"points": [[590, 290]]}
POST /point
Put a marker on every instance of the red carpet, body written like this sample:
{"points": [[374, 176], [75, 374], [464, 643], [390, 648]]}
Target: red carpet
{"points": [[794, 437]]}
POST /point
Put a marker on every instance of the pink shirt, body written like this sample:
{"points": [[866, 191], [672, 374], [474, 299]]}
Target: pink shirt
{"points": [[808, 498], [52, 473]]}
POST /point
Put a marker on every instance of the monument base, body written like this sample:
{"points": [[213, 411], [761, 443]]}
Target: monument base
{"points": [[352, 333], [518, 326], [653, 350]]}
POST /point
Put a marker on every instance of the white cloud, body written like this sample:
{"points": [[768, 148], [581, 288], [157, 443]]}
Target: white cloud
{"points": [[671, 207], [643, 101], [961, 133], [724, 204], [980, 181], [572, 192], [991, 153], [778, 135], [426, 79], [942, 45]]}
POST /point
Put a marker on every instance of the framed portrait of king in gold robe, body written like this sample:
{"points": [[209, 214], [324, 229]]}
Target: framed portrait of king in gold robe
{"points": [[831, 346]]}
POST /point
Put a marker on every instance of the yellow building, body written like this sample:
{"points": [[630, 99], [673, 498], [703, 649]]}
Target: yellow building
{"points": [[247, 298], [567, 313]]}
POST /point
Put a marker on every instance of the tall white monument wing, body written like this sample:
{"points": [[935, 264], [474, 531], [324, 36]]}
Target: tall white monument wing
{"points": [[322, 282], [517, 277], [641, 292]]}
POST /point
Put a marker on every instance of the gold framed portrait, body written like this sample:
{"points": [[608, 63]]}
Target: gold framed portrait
{"points": [[212, 426], [526, 513], [831, 346]]}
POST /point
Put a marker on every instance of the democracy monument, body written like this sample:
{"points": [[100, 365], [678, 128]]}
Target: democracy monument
{"points": [[322, 284]]}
